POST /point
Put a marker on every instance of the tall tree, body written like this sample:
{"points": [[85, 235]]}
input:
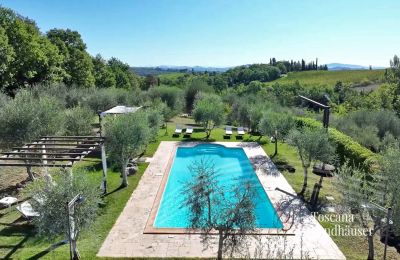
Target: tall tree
{"points": [[77, 62], [123, 76], [104, 77], [32, 59], [7, 56]]}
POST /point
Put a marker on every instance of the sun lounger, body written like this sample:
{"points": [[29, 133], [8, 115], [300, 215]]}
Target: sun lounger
{"points": [[26, 210], [228, 130], [240, 130], [8, 202], [178, 130], [189, 130]]}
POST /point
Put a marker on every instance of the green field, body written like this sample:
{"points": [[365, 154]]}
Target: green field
{"points": [[355, 77]]}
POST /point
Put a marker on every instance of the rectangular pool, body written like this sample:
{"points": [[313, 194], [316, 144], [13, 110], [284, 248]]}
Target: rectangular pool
{"points": [[234, 169]]}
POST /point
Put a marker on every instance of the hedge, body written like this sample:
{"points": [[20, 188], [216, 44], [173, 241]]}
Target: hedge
{"points": [[347, 148]]}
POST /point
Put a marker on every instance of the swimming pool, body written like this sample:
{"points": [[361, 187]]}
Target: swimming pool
{"points": [[234, 169]]}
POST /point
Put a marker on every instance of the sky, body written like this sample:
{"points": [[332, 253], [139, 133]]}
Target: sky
{"points": [[224, 33]]}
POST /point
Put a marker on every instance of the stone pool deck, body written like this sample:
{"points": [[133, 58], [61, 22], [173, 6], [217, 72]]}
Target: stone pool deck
{"points": [[305, 239]]}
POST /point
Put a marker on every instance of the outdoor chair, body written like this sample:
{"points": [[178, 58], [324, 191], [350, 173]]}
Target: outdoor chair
{"points": [[178, 130], [189, 131], [240, 130], [228, 130], [26, 210]]}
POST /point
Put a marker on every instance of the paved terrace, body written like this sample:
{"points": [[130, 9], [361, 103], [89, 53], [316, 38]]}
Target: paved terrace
{"points": [[126, 238]]}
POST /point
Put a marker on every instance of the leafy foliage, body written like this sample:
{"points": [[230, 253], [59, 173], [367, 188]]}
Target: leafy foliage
{"points": [[312, 145], [28, 57], [192, 89], [281, 122], [246, 74], [368, 127], [208, 111], [77, 121], [358, 192], [126, 137], [212, 207], [346, 147], [171, 96], [27, 117], [49, 200]]}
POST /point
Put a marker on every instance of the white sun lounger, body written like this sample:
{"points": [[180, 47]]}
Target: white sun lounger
{"points": [[8, 202], [228, 130], [240, 130], [189, 130], [178, 130], [26, 210]]}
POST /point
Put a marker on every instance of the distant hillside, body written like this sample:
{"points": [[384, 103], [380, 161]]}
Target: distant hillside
{"points": [[354, 77], [342, 66], [144, 71]]}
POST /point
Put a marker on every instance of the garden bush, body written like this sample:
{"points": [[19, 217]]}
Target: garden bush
{"points": [[27, 117], [77, 121], [347, 148]]}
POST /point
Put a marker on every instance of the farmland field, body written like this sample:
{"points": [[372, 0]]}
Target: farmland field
{"points": [[356, 77]]}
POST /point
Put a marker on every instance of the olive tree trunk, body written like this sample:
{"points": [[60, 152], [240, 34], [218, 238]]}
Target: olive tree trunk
{"points": [[371, 252], [303, 190], [123, 175], [220, 244]]}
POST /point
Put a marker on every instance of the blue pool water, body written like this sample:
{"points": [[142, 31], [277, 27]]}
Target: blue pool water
{"points": [[234, 169]]}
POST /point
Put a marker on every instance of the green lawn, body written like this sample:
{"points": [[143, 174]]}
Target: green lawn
{"points": [[331, 77]]}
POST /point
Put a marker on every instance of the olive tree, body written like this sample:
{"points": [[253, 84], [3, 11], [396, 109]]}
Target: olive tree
{"points": [[49, 200], [214, 208], [282, 123], [77, 121], [209, 111], [390, 183], [126, 137], [194, 87], [27, 117], [312, 145], [155, 120], [357, 194]]}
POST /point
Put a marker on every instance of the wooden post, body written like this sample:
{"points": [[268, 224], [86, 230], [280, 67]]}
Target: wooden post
{"points": [[104, 164], [46, 169], [103, 156]]}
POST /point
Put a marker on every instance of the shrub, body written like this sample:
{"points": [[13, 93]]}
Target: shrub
{"points": [[27, 117], [3, 99], [345, 145], [77, 121], [172, 96], [101, 100], [53, 220]]}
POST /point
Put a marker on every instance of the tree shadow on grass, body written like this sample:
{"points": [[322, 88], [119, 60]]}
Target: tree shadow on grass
{"points": [[93, 167], [113, 191], [15, 229], [48, 250]]}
